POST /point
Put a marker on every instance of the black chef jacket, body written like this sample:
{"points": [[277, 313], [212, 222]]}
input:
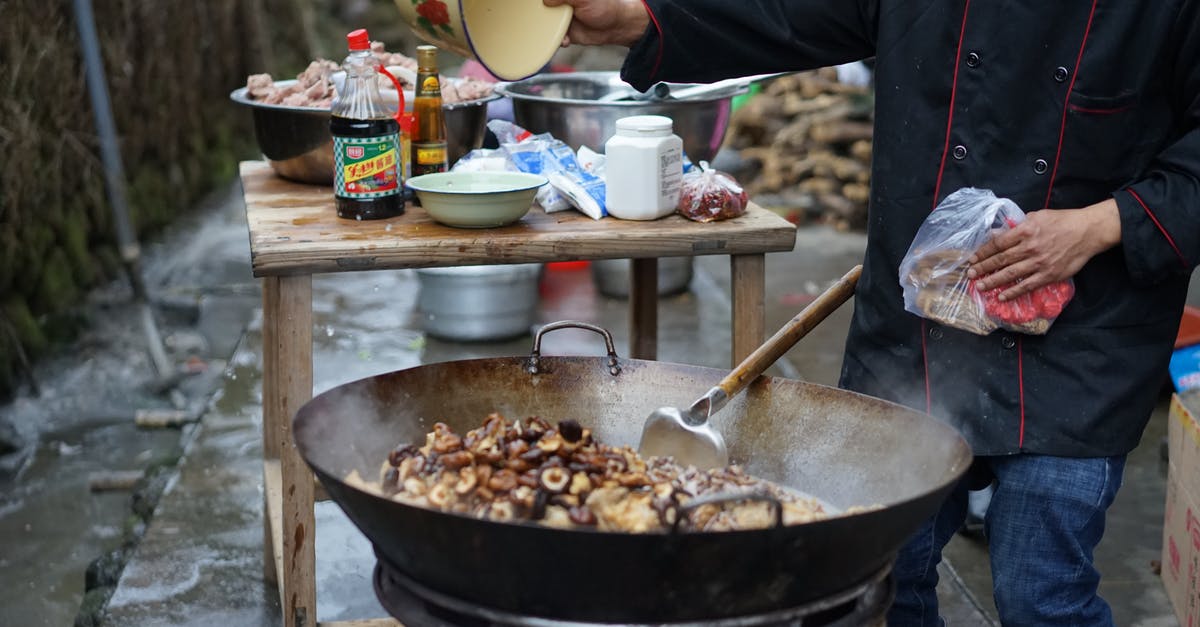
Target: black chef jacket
{"points": [[1056, 104]]}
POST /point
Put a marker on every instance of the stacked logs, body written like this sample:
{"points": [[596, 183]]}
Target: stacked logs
{"points": [[805, 147]]}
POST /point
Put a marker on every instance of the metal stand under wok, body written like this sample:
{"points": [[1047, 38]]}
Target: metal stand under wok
{"points": [[294, 234], [863, 605]]}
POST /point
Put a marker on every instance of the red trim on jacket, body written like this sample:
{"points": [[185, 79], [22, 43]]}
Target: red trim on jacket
{"points": [[925, 361], [1111, 111], [658, 27], [1062, 129], [962, 32], [937, 187], [1154, 219], [1021, 389]]}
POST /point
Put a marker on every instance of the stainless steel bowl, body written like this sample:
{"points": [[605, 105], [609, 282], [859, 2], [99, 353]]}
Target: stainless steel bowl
{"points": [[297, 144], [569, 107], [477, 303]]}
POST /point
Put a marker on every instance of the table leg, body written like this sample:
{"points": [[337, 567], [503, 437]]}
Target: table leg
{"points": [[748, 277], [287, 384], [643, 308]]}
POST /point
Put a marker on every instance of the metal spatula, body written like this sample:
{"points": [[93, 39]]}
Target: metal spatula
{"points": [[686, 434]]}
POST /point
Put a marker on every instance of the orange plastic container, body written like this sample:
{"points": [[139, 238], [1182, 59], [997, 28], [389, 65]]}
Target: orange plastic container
{"points": [[1189, 327]]}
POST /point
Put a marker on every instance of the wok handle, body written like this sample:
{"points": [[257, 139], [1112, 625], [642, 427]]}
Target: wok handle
{"points": [[682, 512], [774, 348], [533, 366]]}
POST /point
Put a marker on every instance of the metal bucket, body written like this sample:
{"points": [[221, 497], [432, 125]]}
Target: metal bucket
{"points": [[477, 303], [611, 276]]}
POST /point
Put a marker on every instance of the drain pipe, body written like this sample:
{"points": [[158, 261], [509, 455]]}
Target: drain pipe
{"points": [[114, 178]]}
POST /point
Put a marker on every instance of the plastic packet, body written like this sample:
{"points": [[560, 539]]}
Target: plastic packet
{"points": [[933, 273], [570, 184], [707, 195], [482, 160]]}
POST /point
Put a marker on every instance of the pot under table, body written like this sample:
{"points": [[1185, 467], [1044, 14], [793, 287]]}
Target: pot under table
{"points": [[294, 234]]}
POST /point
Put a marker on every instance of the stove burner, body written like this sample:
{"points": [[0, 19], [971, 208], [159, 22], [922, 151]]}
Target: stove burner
{"points": [[415, 605]]}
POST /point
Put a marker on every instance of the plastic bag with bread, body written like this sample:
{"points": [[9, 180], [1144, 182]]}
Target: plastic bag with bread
{"points": [[934, 278]]}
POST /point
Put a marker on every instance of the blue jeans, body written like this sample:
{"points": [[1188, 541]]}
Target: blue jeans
{"points": [[1045, 519]]}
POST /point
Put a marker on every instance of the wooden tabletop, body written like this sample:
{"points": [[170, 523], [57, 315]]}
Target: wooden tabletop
{"points": [[294, 230]]}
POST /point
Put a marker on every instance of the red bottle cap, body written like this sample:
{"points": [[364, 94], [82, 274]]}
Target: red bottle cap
{"points": [[359, 40]]}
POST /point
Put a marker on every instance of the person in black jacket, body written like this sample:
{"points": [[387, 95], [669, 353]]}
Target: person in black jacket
{"points": [[1086, 114]]}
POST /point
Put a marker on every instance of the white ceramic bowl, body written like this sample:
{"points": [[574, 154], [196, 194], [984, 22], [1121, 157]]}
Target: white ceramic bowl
{"points": [[476, 200], [513, 39]]}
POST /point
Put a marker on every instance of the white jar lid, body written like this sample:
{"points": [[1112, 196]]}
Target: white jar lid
{"points": [[645, 124]]}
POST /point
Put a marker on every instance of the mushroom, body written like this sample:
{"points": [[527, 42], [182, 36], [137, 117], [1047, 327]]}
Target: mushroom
{"points": [[581, 515], [457, 460], [391, 478], [516, 448], [533, 455], [440, 496], [466, 481], [402, 453], [529, 478], [570, 430], [518, 465], [550, 442], [414, 487], [494, 424], [483, 474], [411, 467], [447, 443], [554, 479], [523, 495], [580, 483], [566, 500], [503, 480], [502, 511]]}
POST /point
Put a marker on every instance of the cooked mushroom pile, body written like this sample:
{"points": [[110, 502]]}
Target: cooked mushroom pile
{"points": [[561, 477]]}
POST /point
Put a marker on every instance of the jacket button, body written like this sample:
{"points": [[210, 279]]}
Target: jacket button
{"points": [[1040, 166], [935, 333], [1061, 74], [1007, 342], [973, 59], [960, 152]]}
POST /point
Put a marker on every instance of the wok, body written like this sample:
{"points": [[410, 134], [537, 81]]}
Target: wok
{"points": [[846, 448]]}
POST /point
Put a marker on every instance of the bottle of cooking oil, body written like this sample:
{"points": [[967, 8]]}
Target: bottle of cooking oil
{"points": [[366, 142], [429, 136]]}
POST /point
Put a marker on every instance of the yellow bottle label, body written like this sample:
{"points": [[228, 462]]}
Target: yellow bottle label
{"points": [[430, 84], [429, 157]]}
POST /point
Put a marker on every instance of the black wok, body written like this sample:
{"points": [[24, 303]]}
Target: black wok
{"points": [[845, 448]]}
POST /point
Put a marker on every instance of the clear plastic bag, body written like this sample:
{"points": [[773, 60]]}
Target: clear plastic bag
{"points": [[933, 273], [707, 195], [571, 186]]}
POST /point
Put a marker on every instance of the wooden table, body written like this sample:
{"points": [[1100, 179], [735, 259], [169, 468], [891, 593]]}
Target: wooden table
{"points": [[294, 233]]}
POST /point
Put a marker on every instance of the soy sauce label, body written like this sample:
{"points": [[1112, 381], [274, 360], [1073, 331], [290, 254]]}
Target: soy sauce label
{"points": [[430, 157], [366, 167]]}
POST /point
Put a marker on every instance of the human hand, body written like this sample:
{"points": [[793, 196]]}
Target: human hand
{"points": [[1049, 246], [599, 22]]}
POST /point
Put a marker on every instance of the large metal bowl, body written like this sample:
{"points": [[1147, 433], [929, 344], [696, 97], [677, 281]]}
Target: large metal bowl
{"points": [[297, 144], [569, 107]]}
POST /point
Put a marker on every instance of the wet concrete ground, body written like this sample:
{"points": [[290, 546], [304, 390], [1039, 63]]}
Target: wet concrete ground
{"points": [[200, 561], [78, 418]]}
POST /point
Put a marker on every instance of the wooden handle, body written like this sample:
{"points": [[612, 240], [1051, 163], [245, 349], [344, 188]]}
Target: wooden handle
{"points": [[785, 338]]}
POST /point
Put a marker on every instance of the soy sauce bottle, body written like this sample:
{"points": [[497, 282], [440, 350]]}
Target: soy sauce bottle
{"points": [[367, 184], [429, 136]]}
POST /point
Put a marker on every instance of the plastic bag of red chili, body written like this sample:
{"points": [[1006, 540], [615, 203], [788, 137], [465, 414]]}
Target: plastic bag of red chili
{"points": [[706, 195], [933, 273]]}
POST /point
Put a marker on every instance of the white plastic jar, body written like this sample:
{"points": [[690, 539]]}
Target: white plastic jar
{"points": [[643, 168]]}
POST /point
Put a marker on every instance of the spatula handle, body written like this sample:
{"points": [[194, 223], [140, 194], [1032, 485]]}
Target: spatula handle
{"points": [[783, 340]]}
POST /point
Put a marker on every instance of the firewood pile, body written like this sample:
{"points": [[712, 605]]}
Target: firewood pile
{"points": [[805, 148]]}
